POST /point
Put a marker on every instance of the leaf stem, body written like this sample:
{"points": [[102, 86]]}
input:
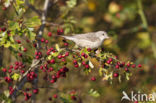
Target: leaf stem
{"points": [[141, 13]]}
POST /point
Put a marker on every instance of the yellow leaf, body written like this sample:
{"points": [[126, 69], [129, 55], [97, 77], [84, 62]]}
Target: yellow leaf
{"points": [[15, 76], [91, 6], [108, 41], [114, 7], [108, 76], [57, 47]]}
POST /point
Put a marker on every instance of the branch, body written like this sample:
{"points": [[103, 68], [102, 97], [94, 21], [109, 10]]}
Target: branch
{"points": [[33, 8], [53, 24], [23, 79], [141, 13], [35, 62]]}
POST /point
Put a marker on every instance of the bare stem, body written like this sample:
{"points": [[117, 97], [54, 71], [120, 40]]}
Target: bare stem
{"points": [[141, 13], [33, 8]]}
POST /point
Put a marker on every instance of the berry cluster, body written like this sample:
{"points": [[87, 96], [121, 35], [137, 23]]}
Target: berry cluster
{"points": [[31, 76], [56, 60]]}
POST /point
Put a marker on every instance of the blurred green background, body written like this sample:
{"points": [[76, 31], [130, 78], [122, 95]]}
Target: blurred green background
{"points": [[131, 24]]}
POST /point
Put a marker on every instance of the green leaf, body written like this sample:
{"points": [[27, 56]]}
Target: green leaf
{"points": [[71, 3], [94, 93], [33, 22], [31, 35], [67, 30], [19, 6], [128, 75], [100, 71], [13, 25], [15, 46], [31, 1], [65, 100], [8, 44], [19, 2]]}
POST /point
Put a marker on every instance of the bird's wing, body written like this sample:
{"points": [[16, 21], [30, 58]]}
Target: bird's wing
{"points": [[89, 37], [69, 37]]}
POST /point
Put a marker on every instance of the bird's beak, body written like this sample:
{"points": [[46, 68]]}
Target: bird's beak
{"points": [[107, 37]]}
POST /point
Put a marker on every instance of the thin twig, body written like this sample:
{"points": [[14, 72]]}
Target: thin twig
{"points": [[23, 79], [33, 8], [141, 13], [39, 36]]}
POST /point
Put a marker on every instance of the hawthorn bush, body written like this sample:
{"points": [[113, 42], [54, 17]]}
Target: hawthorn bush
{"points": [[32, 35]]}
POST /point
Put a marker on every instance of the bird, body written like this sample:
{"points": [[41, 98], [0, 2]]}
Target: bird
{"points": [[91, 40]]}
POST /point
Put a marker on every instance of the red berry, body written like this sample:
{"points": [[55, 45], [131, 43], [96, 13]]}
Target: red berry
{"points": [[16, 67], [37, 57], [11, 67], [126, 69], [22, 71], [86, 66], [4, 8], [35, 45], [84, 63], [50, 99], [88, 49], [110, 59], [28, 41], [55, 96], [67, 54], [76, 65], [65, 44], [86, 56], [117, 66], [82, 54], [133, 66], [93, 79], [16, 63], [139, 65], [49, 34], [3, 29], [41, 67], [59, 56], [53, 77], [18, 41], [20, 54], [4, 70], [115, 74], [75, 61], [50, 69], [25, 49], [73, 97], [35, 91], [63, 60], [60, 31], [52, 61], [128, 64], [10, 70], [42, 39], [46, 41]]}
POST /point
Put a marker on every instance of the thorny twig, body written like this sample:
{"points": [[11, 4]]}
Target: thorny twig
{"points": [[35, 62]]}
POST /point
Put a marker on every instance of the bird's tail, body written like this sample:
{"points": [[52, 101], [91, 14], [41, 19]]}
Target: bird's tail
{"points": [[68, 37]]}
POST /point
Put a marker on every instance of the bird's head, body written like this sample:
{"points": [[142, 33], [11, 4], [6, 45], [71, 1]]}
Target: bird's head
{"points": [[102, 34]]}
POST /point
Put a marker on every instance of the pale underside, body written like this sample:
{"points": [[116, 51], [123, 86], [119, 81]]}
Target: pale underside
{"points": [[89, 40]]}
